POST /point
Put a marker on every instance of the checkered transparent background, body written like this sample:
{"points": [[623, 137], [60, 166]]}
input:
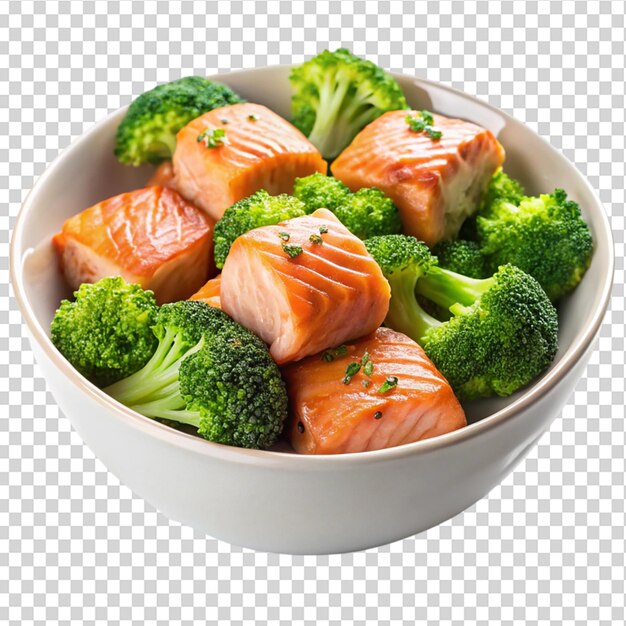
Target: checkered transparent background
{"points": [[547, 546]]}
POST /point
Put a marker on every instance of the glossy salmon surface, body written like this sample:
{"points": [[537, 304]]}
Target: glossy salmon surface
{"points": [[436, 184], [329, 416], [210, 292], [258, 150], [150, 236], [303, 285]]}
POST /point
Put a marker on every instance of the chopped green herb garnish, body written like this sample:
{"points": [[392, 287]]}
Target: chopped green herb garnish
{"points": [[366, 383], [415, 124], [365, 358], [368, 368], [427, 116], [333, 353], [316, 239], [423, 122], [323, 229], [252, 117], [284, 236], [378, 415], [291, 250], [212, 138], [352, 370], [390, 383]]}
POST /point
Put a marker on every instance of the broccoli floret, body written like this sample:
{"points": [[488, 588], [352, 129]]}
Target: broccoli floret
{"points": [[210, 373], [321, 192], [545, 236], [366, 213], [503, 329], [502, 188], [147, 133], [369, 213], [105, 333], [336, 94], [404, 260], [259, 209], [461, 256]]}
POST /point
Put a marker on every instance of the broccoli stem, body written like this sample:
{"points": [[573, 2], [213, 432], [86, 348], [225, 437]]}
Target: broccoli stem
{"points": [[331, 100], [158, 377], [405, 313], [158, 411], [448, 289]]}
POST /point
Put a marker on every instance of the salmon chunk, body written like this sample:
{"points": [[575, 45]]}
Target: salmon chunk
{"points": [[258, 150], [210, 292], [303, 285], [403, 399], [163, 176], [150, 236], [435, 183]]}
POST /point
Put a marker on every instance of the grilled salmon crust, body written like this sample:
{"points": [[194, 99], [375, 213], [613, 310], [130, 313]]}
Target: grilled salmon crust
{"points": [[301, 302], [259, 150], [436, 184], [149, 236], [331, 417]]}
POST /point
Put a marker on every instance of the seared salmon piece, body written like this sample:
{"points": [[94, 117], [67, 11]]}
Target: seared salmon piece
{"points": [[163, 176], [333, 415], [436, 184], [150, 236], [210, 292], [258, 150], [303, 285]]}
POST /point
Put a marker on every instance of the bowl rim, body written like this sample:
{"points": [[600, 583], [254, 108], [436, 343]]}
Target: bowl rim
{"points": [[311, 462]]}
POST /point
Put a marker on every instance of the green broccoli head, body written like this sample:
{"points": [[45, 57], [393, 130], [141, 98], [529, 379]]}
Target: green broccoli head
{"points": [[336, 94], [461, 256], [502, 188], [235, 391], [545, 236], [321, 192], [210, 373], [369, 213], [502, 334], [259, 209], [147, 134], [502, 331], [400, 253], [366, 213], [105, 333]]}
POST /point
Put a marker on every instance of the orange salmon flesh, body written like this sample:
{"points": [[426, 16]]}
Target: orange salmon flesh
{"points": [[331, 417], [436, 184], [330, 292]]}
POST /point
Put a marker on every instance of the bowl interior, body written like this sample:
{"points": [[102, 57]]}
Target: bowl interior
{"points": [[88, 172]]}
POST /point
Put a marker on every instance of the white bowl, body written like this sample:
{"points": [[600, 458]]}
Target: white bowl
{"points": [[280, 501]]}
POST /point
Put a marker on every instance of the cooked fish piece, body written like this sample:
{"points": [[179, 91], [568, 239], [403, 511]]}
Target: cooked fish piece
{"points": [[150, 236], [436, 184], [330, 416], [258, 150], [210, 292], [163, 176], [303, 285]]}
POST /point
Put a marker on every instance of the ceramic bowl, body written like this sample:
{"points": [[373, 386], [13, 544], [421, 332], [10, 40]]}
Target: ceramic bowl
{"points": [[276, 500]]}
